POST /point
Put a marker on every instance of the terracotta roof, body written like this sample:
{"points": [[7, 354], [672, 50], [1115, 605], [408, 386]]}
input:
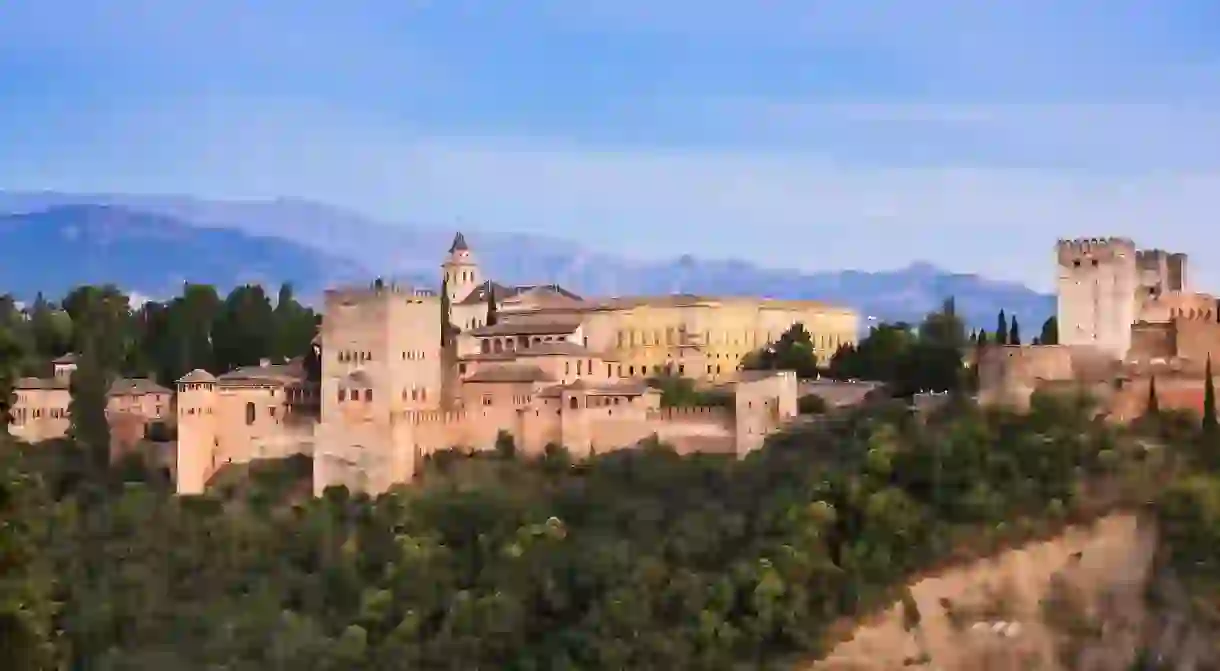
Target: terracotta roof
{"points": [[529, 327], [479, 293], [601, 388], [135, 387], [459, 244], [511, 373], [197, 376], [68, 358], [540, 349], [503, 292], [269, 374], [31, 383]]}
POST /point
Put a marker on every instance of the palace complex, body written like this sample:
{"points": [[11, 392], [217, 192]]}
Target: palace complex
{"points": [[1129, 324], [552, 368]]}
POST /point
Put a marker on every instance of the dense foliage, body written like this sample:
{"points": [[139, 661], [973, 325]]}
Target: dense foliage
{"points": [[637, 559], [159, 339]]}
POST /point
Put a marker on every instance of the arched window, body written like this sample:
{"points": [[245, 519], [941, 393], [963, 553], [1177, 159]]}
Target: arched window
{"points": [[574, 403], [485, 346], [368, 395], [250, 413]]}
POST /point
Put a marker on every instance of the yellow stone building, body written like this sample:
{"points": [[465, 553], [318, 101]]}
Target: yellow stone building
{"points": [[703, 337]]}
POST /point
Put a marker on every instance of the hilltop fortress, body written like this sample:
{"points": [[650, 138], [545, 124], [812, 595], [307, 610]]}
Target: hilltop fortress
{"points": [[555, 368], [1126, 316]]}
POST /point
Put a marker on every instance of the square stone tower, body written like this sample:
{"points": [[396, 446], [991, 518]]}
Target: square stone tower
{"points": [[1098, 286], [381, 359]]}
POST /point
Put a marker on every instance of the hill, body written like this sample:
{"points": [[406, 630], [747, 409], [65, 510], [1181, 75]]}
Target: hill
{"points": [[55, 249], [330, 242]]}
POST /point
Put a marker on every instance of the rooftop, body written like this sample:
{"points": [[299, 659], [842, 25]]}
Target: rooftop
{"points": [[31, 383], [511, 373], [135, 387]]}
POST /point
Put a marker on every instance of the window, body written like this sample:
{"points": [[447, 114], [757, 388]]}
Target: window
{"points": [[574, 403], [579, 367], [250, 413], [342, 395], [487, 399], [485, 346], [368, 395]]}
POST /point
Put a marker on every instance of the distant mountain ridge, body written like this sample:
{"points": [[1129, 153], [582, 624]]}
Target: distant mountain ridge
{"points": [[315, 245]]}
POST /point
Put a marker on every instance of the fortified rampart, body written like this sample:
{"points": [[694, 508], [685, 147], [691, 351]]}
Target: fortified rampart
{"points": [[1009, 374]]}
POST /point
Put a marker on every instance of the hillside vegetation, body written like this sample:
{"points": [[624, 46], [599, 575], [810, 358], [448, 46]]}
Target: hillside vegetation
{"points": [[637, 559]]}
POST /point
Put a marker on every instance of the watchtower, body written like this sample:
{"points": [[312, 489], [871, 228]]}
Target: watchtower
{"points": [[1098, 282]]}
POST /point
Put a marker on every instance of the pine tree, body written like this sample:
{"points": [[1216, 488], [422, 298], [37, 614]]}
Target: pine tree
{"points": [[493, 313], [982, 339], [1001, 329], [1014, 332], [1154, 404], [1209, 401]]}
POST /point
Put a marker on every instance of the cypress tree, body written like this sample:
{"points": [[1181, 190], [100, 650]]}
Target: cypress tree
{"points": [[982, 339], [1001, 329], [1014, 332], [1209, 401], [446, 309], [493, 313], [1154, 404]]}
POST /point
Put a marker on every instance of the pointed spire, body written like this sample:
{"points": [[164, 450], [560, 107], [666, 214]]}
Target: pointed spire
{"points": [[459, 244]]}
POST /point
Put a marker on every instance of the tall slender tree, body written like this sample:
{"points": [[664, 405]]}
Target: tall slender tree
{"points": [[1001, 329], [1154, 403], [446, 314], [1014, 332], [1209, 400], [493, 312]]}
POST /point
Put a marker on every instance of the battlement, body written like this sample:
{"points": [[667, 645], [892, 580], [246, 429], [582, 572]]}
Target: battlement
{"points": [[1096, 249], [438, 417], [704, 413], [376, 290]]}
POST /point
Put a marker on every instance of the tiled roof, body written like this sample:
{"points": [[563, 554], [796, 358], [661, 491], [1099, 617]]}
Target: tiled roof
{"points": [[68, 358], [529, 327], [479, 293], [30, 383], [511, 373], [269, 374], [135, 387], [197, 376], [459, 244]]}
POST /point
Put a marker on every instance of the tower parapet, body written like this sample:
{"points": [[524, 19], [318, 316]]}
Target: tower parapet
{"points": [[1074, 252]]}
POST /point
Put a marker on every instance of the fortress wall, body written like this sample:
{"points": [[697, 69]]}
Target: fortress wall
{"points": [[1173, 392], [1152, 341], [1198, 338], [1177, 304], [1009, 373], [698, 415]]}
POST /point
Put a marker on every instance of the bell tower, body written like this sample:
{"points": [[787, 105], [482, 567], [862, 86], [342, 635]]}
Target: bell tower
{"points": [[461, 272]]}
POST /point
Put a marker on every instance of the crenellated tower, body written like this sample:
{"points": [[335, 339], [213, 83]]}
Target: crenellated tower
{"points": [[461, 271], [1098, 287]]}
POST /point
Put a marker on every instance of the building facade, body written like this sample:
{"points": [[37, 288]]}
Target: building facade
{"points": [[555, 368]]}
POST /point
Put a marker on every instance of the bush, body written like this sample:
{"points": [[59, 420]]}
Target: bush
{"points": [[811, 404]]}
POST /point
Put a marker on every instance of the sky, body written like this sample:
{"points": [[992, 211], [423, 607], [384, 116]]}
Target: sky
{"points": [[804, 134]]}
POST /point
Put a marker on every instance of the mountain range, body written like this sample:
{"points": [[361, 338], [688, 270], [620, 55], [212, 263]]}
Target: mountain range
{"points": [[149, 245]]}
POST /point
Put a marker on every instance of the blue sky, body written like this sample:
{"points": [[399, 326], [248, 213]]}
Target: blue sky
{"points": [[793, 133]]}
